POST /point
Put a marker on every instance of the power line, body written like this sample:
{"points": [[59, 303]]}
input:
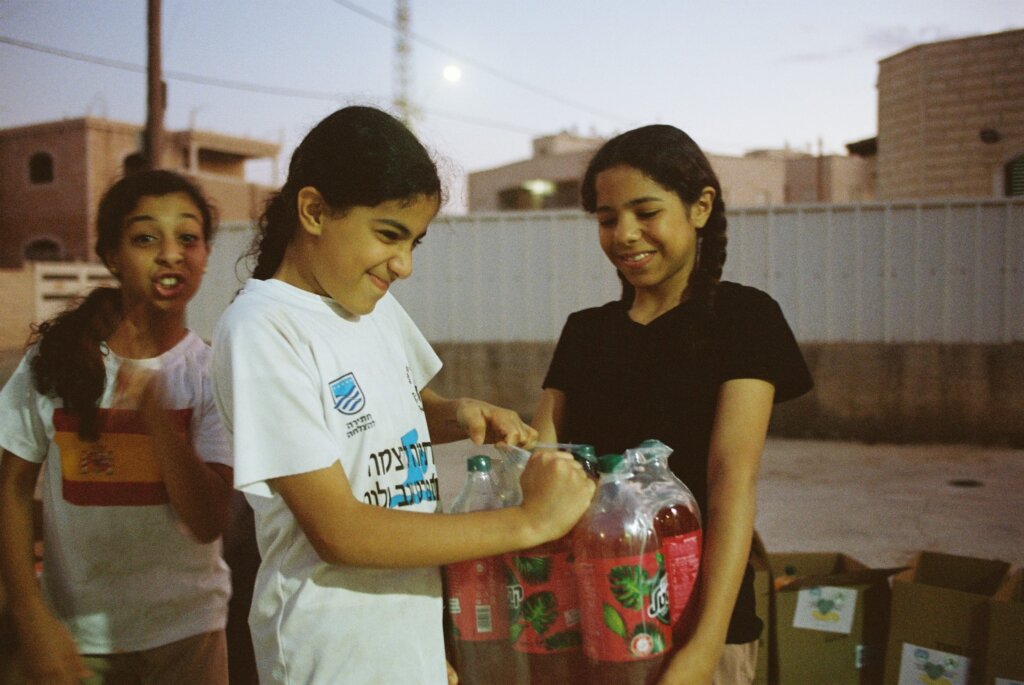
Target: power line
{"points": [[175, 75], [558, 97], [239, 85]]}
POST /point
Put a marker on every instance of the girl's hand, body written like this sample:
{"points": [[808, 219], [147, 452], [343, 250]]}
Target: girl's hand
{"points": [[49, 655], [485, 423], [453, 677], [138, 387], [556, 492], [691, 666]]}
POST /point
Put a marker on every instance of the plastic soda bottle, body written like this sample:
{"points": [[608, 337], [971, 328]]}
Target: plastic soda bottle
{"points": [[677, 521], [545, 613], [621, 582], [477, 599], [586, 455]]}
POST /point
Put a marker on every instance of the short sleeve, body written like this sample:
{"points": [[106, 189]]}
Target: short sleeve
{"points": [[208, 435], [260, 380], [22, 431], [424, 363], [561, 371], [757, 342]]}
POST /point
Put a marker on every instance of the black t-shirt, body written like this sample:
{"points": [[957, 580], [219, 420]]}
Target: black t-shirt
{"points": [[626, 382]]}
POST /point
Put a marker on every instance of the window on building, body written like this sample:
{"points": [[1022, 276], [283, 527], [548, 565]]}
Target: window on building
{"points": [[1015, 177], [540, 194], [40, 168], [44, 250]]}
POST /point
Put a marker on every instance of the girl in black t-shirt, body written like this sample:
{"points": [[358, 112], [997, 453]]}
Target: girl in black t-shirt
{"points": [[684, 358]]}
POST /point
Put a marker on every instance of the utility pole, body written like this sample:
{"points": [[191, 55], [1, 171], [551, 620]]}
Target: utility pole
{"points": [[155, 92]]}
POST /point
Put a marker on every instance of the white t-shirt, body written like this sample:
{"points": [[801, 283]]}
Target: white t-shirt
{"points": [[302, 384], [120, 569]]}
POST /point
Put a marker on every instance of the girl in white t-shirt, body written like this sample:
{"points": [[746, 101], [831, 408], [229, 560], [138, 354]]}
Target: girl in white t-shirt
{"points": [[320, 377], [114, 400]]}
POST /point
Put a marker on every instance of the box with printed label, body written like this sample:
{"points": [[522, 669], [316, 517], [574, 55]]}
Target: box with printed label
{"points": [[937, 628], [1004, 661], [831, 617]]}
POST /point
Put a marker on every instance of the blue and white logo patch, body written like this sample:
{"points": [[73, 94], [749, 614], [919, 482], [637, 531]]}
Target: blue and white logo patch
{"points": [[348, 396]]}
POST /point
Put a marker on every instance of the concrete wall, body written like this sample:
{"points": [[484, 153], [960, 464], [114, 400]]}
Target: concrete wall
{"points": [[18, 310]]}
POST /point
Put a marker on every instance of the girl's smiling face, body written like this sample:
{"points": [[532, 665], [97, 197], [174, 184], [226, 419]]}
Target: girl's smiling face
{"points": [[353, 256], [162, 253], [646, 230]]}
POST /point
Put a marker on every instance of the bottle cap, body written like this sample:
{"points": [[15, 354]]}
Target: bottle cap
{"points": [[479, 462], [585, 452], [610, 463]]}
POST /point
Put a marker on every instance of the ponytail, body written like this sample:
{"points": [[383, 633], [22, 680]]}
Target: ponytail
{"points": [[69, 361], [277, 226], [711, 251]]}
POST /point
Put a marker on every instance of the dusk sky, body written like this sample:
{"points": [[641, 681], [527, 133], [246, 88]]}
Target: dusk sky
{"points": [[736, 75]]}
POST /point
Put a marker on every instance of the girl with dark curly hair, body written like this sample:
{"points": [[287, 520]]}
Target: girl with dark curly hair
{"points": [[113, 399]]}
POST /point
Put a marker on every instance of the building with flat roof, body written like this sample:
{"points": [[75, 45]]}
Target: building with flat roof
{"points": [[53, 174], [550, 179], [951, 119]]}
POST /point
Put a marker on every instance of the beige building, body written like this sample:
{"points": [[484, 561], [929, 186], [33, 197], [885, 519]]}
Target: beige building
{"points": [[551, 178], [53, 174], [951, 119]]}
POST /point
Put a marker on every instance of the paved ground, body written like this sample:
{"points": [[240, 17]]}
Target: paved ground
{"points": [[877, 503]]}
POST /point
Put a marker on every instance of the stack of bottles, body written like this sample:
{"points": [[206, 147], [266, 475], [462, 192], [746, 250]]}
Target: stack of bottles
{"points": [[603, 604]]}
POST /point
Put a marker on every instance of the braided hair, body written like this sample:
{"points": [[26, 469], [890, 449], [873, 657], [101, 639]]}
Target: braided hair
{"points": [[357, 156], [672, 159], [70, 346]]}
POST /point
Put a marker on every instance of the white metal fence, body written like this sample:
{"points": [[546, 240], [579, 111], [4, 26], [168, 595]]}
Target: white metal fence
{"points": [[932, 271]]}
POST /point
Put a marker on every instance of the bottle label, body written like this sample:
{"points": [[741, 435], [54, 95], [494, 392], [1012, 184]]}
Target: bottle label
{"points": [[682, 567], [624, 606], [542, 598], [477, 599]]}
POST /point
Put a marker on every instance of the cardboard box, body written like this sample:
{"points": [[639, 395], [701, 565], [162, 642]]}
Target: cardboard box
{"points": [[939, 611], [831, 617], [762, 606], [1004, 654]]}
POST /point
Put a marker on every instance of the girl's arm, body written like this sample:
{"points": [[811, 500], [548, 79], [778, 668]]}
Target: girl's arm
{"points": [[348, 532], [737, 440], [548, 417], [449, 420], [199, 492], [49, 653]]}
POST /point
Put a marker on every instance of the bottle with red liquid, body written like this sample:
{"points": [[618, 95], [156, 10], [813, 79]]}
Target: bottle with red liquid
{"points": [[620, 577], [677, 521], [477, 599], [545, 613]]}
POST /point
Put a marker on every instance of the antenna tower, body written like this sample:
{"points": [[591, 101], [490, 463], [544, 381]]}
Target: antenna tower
{"points": [[402, 96]]}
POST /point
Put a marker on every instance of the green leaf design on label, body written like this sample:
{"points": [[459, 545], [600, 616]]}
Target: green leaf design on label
{"points": [[613, 619], [533, 569], [540, 610], [630, 584], [567, 639]]}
